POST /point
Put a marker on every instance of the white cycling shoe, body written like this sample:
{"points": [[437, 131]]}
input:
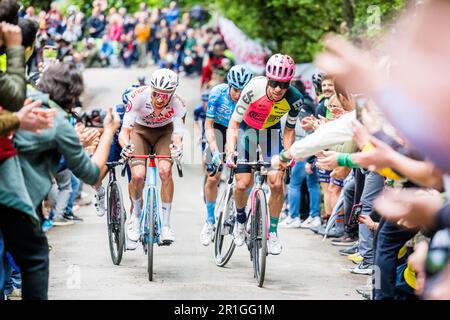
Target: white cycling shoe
{"points": [[133, 232], [207, 234], [239, 234], [167, 234], [274, 244], [100, 204], [130, 245]]}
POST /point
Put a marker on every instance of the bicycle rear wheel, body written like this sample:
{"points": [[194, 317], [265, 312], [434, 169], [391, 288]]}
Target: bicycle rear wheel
{"points": [[223, 235], [116, 223], [151, 210], [258, 234]]}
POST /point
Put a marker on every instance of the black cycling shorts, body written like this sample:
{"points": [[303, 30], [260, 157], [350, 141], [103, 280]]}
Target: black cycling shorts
{"points": [[247, 143]]}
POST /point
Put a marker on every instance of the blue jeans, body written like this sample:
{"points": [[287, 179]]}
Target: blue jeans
{"points": [[12, 275], [297, 177], [373, 186], [74, 194]]}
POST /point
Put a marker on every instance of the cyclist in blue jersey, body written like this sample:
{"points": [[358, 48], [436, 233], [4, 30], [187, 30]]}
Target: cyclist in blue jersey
{"points": [[200, 115], [114, 155], [221, 104]]}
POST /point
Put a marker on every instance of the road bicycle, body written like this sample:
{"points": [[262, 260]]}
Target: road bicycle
{"points": [[223, 234], [150, 219], [257, 227], [116, 214]]}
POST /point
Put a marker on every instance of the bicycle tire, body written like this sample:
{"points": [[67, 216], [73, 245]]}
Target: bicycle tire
{"points": [[258, 233], [116, 223], [151, 232], [221, 258]]}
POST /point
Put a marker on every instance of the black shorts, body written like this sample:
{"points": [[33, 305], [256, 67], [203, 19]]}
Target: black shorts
{"points": [[220, 132], [248, 139]]}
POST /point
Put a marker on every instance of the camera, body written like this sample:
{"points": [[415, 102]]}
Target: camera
{"points": [[92, 119]]}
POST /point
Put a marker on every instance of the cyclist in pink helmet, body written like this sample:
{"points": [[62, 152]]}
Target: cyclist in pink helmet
{"points": [[280, 67], [256, 121]]}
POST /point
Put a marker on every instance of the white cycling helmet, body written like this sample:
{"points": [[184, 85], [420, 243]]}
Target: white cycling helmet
{"points": [[164, 79]]}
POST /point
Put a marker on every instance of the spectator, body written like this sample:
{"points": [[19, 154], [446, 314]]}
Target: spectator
{"points": [[91, 55], [142, 33], [173, 13], [107, 52], [96, 23], [38, 161]]}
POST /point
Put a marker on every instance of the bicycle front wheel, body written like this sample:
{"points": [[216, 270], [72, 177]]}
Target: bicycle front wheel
{"points": [[258, 236], [223, 235], [116, 223], [151, 211]]}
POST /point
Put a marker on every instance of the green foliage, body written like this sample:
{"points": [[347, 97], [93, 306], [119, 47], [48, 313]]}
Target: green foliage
{"points": [[295, 27]]}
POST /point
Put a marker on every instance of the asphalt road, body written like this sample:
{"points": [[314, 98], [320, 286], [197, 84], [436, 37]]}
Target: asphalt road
{"points": [[81, 267]]}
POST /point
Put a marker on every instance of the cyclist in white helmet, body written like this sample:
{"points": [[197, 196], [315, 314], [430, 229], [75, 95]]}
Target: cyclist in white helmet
{"points": [[154, 118]]}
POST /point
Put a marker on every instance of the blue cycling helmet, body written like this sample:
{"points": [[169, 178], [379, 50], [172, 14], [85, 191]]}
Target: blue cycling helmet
{"points": [[239, 76], [205, 96], [127, 92]]}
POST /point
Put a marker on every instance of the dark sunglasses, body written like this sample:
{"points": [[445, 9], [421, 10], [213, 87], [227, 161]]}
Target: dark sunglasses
{"points": [[282, 85]]}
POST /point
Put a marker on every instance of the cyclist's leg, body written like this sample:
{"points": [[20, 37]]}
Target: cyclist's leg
{"points": [[162, 147], [139, 137], [247, 143], [211, 186], [270, 143]]}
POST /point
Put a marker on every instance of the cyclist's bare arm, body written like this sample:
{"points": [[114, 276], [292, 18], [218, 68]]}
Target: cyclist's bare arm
{"points": [[210, 136], [124, 137], [232, 134], [179, 126], [288, 137], [197, 129]]}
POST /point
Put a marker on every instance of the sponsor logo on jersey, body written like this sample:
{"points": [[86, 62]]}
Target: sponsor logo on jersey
{"points": [[137, 91], [129, 106], [297, 105], [152, 119], [247, 98], [257, 116]]}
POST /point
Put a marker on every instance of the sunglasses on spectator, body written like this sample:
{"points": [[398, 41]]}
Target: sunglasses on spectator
{"points": [[282, 85], [161, 95]]}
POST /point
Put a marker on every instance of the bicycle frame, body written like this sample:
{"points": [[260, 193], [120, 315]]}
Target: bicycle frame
{"points": [[151, 186], [257, 187]]}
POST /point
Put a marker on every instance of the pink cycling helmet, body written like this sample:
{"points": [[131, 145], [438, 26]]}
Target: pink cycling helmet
{"points": [[280, 67]]}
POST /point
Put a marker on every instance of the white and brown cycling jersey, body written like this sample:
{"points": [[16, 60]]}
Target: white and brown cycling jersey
{"points": [[140, 110]]}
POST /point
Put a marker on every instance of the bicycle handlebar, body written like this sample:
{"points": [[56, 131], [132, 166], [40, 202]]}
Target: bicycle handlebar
{"points": [[154, 156]]}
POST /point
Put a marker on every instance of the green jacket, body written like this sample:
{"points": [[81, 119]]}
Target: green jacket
{"points": [[26, 180], [12, 81], [8, 122]]}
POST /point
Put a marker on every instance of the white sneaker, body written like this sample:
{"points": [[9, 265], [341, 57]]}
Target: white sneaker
{"points": [[133, 232], [274, 244], [207, 234], [290, 222], [167, 234], [307, 223], [239, 234], [130, 245], [100, 204], [315, 222]]}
